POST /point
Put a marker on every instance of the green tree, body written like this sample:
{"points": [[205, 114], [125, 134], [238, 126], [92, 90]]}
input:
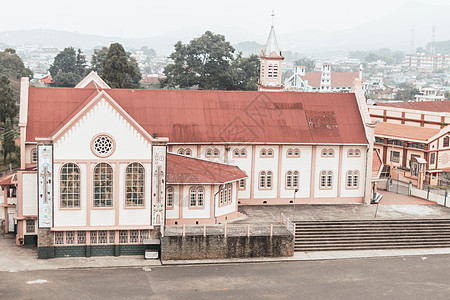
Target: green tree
{"points": [[65, 62], [246, 72], [68, 79], [81, 64], [8, 144], [8, 112], [66, 65], [97, 60], [119, 71], [11, 65], [205, 62], [8, 106]]}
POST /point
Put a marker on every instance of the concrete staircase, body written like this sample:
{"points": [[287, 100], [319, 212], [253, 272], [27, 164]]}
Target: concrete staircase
{"points": [[371, 234]]}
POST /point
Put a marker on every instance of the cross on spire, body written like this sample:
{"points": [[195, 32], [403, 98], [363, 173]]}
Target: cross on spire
{"points": [[273, 16]]}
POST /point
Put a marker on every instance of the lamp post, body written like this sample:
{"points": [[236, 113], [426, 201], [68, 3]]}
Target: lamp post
{"points": [[295, 192]]}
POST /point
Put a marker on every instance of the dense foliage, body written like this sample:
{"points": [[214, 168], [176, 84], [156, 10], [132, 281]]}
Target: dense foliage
{"points": [[208, 63]]}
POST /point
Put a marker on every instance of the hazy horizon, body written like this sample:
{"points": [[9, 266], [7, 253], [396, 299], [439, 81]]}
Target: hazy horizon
{"points": [[147, 19]]}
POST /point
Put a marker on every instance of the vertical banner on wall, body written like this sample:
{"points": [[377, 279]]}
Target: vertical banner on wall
{"points": [[45, 185], [158, 184]]}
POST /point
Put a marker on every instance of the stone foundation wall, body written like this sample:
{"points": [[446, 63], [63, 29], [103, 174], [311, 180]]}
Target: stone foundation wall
{"points": [[219, 246]]}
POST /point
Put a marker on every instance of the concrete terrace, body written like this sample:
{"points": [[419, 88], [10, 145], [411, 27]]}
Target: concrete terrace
{"points": [[392, 206]]}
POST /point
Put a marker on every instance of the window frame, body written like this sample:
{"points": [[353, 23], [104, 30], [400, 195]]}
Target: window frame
{"points": [[127, 205], [61, 206], [196, 198], [111, 206], [326, 178], [169, 191], [34, 154]]}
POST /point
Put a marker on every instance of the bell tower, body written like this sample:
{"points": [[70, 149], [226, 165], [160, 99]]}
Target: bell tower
{"points": [[271, 58]]}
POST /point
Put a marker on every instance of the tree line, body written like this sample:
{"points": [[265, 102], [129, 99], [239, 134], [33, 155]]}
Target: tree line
{"points": [[113, 64]]}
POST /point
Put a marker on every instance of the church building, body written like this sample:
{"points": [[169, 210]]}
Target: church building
{"points": [[102, 166]]}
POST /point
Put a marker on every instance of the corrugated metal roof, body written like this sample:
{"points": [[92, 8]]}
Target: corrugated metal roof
{"points": [[184, 169], [435, 106], [7, 179], [213, 116], [405, 131]]}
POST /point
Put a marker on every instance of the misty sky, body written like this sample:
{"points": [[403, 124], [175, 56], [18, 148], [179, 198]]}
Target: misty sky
{"points": [[144, 18]]}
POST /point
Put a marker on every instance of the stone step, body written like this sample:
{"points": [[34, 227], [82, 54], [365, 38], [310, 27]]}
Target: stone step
{"points": [[368, 247], [151, 254]]}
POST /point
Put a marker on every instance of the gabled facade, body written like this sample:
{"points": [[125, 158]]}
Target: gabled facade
{"points": [[110, 167]]}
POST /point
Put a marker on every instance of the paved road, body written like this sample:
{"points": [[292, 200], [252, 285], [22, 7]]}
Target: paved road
{"points": [[389, 278]]}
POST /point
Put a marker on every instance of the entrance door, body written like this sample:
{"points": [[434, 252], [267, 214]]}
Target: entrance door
{"points": [[11, 222]]}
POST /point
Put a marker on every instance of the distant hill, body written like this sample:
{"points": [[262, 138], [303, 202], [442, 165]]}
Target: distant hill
{"points": [[391, 31], [248, 48]]}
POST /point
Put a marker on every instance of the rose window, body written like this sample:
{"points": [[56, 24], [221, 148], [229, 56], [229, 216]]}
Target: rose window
{"points": [[103, 145]]}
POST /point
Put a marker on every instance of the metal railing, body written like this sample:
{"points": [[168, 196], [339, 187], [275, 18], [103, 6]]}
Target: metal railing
{"points": [[290, 226], [225, 230]]}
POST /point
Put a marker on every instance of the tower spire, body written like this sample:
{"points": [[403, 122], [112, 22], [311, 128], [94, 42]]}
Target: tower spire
{"points": [[273, 16]]}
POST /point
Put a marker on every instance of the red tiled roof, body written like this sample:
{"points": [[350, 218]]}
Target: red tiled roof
{"points": [[406, 132], [47, 79], [187, 116], [338, 79], [185, 169], [377, 164], [7, 179], [435, 106]]}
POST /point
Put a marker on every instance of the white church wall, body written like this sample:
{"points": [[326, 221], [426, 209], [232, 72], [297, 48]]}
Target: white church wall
{"points": [[266, 164], [350, 163], [301, 164], [174, 212], [102, 118], [196, 213], [29, 194], [326, 163], [245, 164]]}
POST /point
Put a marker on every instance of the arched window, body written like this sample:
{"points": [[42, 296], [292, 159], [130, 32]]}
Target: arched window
{"points": [[295, 179], [323, 179], [330, 152], [289, 179], [350, 152], [197, 197], [270, 152], [134, 185], [70, 186], [263, 152], [269, 179], [193, 196], [169, 197], [357, 152], [200, 196], [446, 141], [262, 179], [236, 153], [324, 152], [290, 152], [34, 156], [103, 185], [349, 178], [243, 152], [181, 151], [208, 152], [352, 179], [242, 184], [296, 153], [188, 152], [355, 179], [329, 179], [216, 152]]}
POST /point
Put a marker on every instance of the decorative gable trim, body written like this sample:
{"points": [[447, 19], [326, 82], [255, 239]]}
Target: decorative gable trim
{"points": [[102, 98], [92, 77]]}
